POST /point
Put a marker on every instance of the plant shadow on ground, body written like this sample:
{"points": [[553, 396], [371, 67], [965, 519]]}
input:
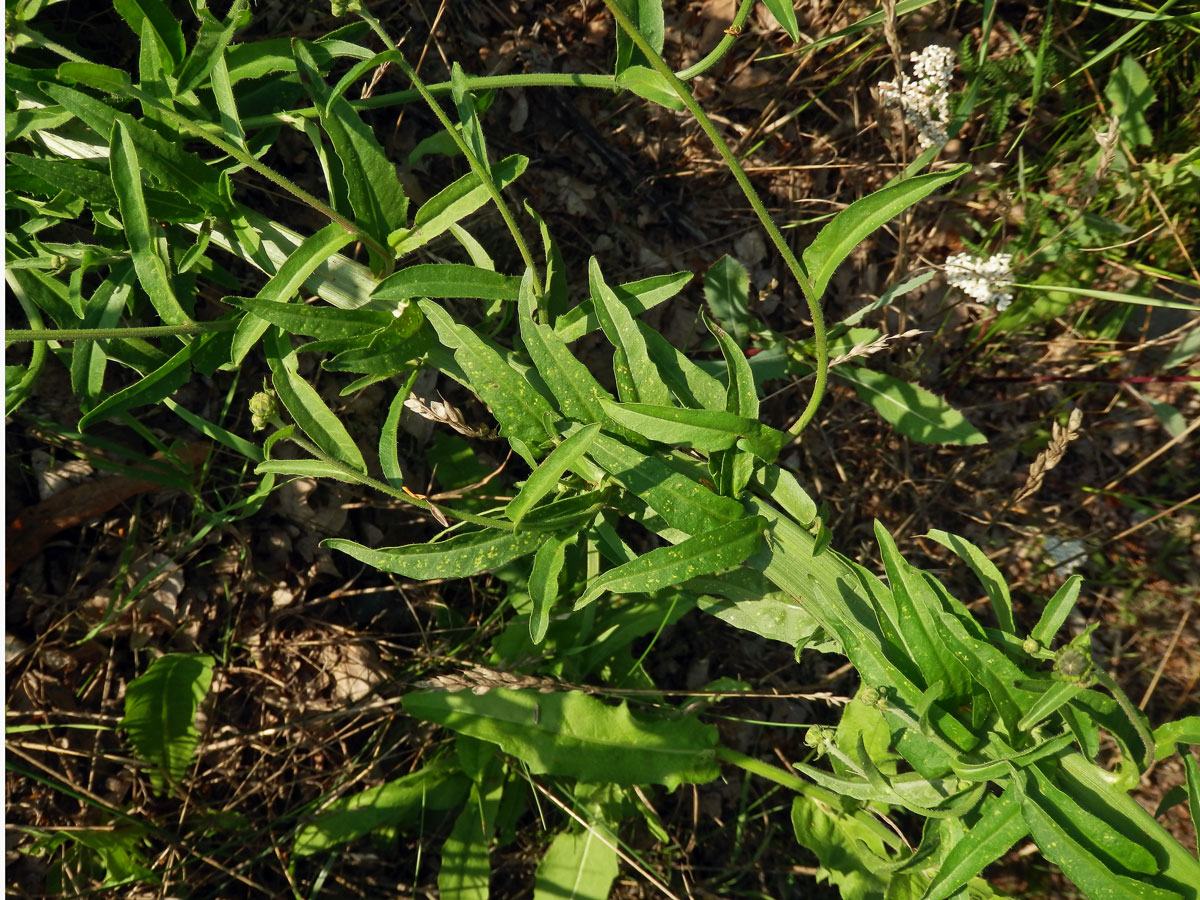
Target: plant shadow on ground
{"points": [[316, 650]]}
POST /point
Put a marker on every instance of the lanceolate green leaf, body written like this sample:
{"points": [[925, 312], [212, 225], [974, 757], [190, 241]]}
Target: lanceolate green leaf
{"points": [[160, 710], [784, 12], [389, 456], [638, 296], [727, 292], [164, 25], [985, 570], [703, 430], [649, 84], [914, 411], [579, 865], [519, 409], [466, 853], [573, 735], [741, 398], [162, 382], [401, 803], [545, 477], [998, 826], [854, 223], [453, 204], [214, 36], [439, 280], [458, 557], [684, 503], [647, 17], [1056, 611], [703, 554], [151, 270], [635, 373], [301, 399], [694, 387], [543, 584]]}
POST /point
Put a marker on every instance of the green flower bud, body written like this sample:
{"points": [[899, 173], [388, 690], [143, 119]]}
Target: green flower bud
{"points": [[263, 409], [1073, 664], [869, 695], [1031, 646]]}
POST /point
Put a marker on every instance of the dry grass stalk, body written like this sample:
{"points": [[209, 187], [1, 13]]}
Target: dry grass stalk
{"points": [[1060, 437]]}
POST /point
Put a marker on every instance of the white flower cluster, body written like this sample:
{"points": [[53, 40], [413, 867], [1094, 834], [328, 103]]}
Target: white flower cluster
{"points": [[924, 98], [1067, 555], [982, 279]]}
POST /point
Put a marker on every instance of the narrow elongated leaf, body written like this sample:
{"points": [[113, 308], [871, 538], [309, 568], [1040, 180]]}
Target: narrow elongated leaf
{"points": [[985, 570], [162, 21], [326, 323], [398, 804], [741, 398], [574, 388], [149, 266], [306, 468], [452, 204], [162, 382], [579, 866], [747, 601], [519, 409], [103, 310], [1056, 611], [545, 477], [440, 280], [914, 411], [727, 292], [543, 585], [1192, 769], [683, 503], [458, 557], [701, 429], [999, 825], [647, 83], [694, 387], [573, 735], [638, 380], [647, 18], [1053, 698], [466, 853], [703, 554], [854, 223], [311, 413], [389, 458], [214, 36], [785, 491], [638, 296], [1181, 731], [160, 710], [785, 14]]}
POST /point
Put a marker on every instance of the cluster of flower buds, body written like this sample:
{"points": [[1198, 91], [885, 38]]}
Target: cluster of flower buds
{"points": [[924, 98], [984, 280]]}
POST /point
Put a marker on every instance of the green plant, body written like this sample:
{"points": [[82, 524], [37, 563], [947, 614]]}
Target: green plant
{"points": [[982, 733]]}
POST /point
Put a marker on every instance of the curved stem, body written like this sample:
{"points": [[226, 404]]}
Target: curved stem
{"points": [[478, 166], [714, 55], [17, 335], [794, 266]]}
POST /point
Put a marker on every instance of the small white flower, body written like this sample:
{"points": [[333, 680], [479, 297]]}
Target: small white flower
{"points": [[925, 97], [1067, 555], [984, 280]]}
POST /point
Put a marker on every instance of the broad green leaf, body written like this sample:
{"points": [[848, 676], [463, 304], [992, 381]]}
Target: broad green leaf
{"points": [[727, 292], [703, 430], [785, 14], [998, 826], [147, 263], [285, 283], [1056, 611], [83, 180], [545, 478], [573, 735], [153, 388], [574, 388], [160, 710], [638, 380], [703, 554], [1131, 95], [760, 610], [1050, 700], [452, 204], [985, 570], [440, 280], [683, 503], [647, 83], [306, 406], [397, 804], [1181, 731], [458, 557], [638, 296], [519, 409], [211, 41], [781, 487], [466, 868], [164, 24], [378, 201], [914, 411], [578, 866], [647, 18], [852, 852], [543, 584], [854, 223]]}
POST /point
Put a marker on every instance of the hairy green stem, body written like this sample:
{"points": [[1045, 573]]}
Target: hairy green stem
{"points": [[794, 265], [478, 166], [16, 335]]}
